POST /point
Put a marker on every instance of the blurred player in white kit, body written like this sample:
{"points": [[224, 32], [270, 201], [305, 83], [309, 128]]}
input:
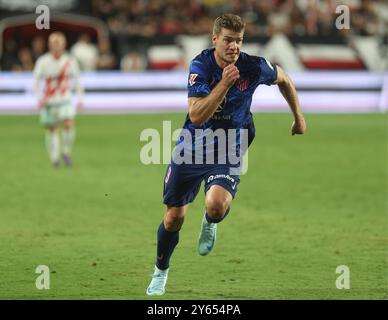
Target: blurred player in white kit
{"points": [[60, 73]]}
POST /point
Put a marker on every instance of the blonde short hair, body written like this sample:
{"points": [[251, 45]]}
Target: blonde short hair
{"points": [[228, 21]]}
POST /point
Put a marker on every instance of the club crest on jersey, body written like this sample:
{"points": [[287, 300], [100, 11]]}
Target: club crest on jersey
{"points": [[192, 78], [242, 84]]}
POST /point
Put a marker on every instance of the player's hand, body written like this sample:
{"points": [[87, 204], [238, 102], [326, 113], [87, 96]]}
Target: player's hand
{"points": [[230, 74], [299, 125]]}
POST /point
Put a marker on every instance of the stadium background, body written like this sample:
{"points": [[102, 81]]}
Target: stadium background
{"points": [[307, 204]]}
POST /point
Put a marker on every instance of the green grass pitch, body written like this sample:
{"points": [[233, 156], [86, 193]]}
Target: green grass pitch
{"points": [[307, 205]]}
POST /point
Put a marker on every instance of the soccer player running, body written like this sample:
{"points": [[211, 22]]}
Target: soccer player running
{"points": [[221, 83], [57, 69]]}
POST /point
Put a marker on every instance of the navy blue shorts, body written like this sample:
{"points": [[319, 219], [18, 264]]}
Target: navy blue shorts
{"points": [[182, 182]]}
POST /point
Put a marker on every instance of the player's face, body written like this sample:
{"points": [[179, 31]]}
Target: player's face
{"points": [[57, 44], [227, 45]]}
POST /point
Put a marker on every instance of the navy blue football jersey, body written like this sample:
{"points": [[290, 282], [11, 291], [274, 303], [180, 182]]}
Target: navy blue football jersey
{"points": [[234, 112]]}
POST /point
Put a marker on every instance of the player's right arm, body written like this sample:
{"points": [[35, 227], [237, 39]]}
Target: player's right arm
{"points": [[202, 108]]}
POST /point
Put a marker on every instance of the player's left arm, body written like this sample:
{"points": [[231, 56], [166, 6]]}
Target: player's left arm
{"points": [[288, 91], [80, 94]]}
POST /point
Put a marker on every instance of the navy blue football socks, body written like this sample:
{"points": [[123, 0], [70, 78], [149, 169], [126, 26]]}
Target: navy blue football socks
{"points": [[216, 220], [167, 242]]}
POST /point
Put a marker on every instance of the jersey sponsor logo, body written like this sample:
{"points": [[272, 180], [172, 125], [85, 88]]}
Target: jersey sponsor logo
{"points": [[242, 84], [192, 78]]}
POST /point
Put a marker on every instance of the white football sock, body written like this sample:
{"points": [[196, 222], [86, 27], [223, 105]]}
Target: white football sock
{"points": [[52, 145], [68, 137]]}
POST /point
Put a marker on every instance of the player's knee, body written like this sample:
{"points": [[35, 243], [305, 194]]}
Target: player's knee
{"points": [[216, 208], [174, 218]]}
